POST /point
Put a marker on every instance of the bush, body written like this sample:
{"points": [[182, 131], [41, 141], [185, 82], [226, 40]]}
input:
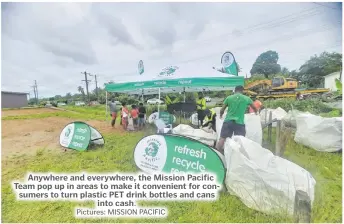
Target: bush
{"points": [[313, 106], [333, 113]]}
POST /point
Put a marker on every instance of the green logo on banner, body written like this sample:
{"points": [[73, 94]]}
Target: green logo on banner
{"points": [[229, 63], [152, 149], [69, 130], [168, 71], [176, 154]]}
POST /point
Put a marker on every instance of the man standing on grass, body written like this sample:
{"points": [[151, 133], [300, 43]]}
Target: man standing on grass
{"points": [[113, 112], [234, 122]]}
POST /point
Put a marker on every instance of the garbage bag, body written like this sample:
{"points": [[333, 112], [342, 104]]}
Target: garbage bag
{"points": [[262, 181]]}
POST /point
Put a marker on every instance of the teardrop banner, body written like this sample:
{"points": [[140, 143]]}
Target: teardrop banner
{"points": [[141, 68], [79, 135], [173, 154], [229, 64]]}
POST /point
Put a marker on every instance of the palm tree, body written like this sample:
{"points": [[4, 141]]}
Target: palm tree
{"points": [[81, 90]]}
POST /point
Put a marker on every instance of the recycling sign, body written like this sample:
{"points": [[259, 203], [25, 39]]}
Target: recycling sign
{"points": [[177, 154], [79, 135]]}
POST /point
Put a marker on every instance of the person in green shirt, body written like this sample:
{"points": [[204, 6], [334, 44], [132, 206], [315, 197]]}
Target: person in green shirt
{"points": [[234, 122]]}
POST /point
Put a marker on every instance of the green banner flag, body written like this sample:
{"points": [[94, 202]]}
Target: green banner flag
{"points": [[229, 64], [177, 154], [79, 135], [141, 67]]}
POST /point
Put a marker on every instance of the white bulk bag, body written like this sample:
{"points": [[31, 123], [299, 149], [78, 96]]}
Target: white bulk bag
{"points": [[194, 119], [278, 114], [319, 133], [262, 181], [290, 118], [207, 138]]}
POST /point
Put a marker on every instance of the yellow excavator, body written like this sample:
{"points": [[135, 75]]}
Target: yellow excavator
{"points": [[280, 87]]}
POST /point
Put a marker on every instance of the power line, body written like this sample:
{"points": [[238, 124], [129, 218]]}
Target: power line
{"points": [[326, 6], [257, 27], [289, 37], [271, 24]]}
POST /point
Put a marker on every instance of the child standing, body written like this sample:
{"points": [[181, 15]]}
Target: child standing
{"points": [[125, 114], [134, 115]]}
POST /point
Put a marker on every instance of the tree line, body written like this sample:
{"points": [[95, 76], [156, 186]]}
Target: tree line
{"points": [[310, 74]]}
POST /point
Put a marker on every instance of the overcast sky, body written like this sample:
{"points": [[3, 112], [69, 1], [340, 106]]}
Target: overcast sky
{"points": [[54, 42]]}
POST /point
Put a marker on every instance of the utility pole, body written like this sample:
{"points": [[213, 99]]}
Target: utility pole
{"points": [[86, 81], [95, 77], [36, 92]]}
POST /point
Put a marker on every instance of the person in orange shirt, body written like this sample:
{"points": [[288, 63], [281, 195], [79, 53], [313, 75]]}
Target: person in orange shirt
{"points": [[134, 115], [125, 115], [257, 104]]}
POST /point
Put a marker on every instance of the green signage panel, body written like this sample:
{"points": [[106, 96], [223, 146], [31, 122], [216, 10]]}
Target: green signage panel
{"points": [[177, 154], [79, 135], [166, 117]]}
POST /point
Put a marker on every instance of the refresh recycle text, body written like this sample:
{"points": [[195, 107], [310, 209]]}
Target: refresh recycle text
{"points": [[115, 195]]}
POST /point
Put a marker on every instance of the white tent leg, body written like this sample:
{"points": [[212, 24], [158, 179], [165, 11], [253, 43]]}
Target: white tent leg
{"points": [[106, 106], [142, 97], [159, 104]]}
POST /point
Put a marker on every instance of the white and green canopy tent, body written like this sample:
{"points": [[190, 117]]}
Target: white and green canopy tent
{"points": [[182, 78]]}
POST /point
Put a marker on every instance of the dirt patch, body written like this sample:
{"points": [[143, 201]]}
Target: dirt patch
{"points": [[28, 136], [5, 113]]}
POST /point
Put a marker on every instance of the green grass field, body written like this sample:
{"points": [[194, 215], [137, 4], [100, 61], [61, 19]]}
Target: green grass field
{"points": [[117, 156]]}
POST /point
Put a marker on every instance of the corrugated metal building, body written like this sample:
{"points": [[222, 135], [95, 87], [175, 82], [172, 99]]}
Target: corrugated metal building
{"points": [[13, 99]]}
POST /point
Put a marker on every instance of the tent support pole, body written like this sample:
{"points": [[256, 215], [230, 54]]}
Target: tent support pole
{"points": [[106, 105], [159, 105], [142, 97]]}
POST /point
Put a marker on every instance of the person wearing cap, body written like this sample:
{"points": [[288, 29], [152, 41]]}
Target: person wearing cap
{"points": [[211, 122], [234, 123], [201, 106]]}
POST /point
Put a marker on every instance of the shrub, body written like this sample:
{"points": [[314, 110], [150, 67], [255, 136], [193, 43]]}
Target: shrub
{"points": [[313, 106]]}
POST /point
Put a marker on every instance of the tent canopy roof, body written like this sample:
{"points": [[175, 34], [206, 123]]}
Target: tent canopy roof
{"points": [[188, 78]]}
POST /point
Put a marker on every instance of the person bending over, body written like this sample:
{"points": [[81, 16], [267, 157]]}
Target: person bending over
{"points": [[211, 115], [234, 122]]}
